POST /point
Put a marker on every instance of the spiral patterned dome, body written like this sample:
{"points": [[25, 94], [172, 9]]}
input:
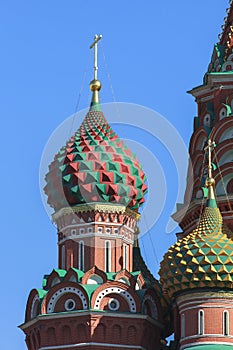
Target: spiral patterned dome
{"points": [[95, 166], [204, 258]]}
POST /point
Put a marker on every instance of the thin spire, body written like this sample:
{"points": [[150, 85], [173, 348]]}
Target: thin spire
{"points": [[210, 182], [94, 44], [95, 84]]}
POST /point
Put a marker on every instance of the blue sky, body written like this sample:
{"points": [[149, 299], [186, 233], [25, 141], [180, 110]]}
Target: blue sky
{"points": [[155, 51]]}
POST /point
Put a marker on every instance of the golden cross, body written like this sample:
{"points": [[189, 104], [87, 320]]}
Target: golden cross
{"points": [[94, 44]]}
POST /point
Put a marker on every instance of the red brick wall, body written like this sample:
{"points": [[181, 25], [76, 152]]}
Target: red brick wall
{"points": [[213, 306]]}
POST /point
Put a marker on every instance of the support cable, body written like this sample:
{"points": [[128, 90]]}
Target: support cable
{"points": [[223, 184], [79, 96], [202, 174], [110, 82], [151, 241]]}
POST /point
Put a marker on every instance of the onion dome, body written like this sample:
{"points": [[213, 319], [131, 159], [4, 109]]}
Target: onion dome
{"points": [[95, 165], [202, 259]]}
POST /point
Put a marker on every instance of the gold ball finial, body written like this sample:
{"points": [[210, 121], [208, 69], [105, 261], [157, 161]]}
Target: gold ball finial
{"points": [[210, 182], [95, 85]]}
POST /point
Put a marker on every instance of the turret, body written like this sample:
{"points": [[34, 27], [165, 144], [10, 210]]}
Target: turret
{"points": [[214, 120], [102, 295], [196, 272]]}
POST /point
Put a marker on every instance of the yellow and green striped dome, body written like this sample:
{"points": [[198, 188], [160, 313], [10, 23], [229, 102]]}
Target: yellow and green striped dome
{"points": [[202, 259]]}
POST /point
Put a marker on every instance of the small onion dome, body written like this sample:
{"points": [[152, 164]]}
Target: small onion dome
{"points": [[95, 166], [202, 259]]}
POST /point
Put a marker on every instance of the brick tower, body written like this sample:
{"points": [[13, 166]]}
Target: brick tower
{"points": [[101, 296], [197, 274], [197, 271], [215, 119]]}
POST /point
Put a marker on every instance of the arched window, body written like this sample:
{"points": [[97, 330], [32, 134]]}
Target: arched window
{"points": [[125, 256], [63, 257], [35, 308], [200, 322], [107, 256], [51, 336], [55, 281], [95, 279], [182, 326], [230, 186], [222, 113], [207, 120], [226, 135], [227, 157], [66, 334], [81, 255], [225, 323]]}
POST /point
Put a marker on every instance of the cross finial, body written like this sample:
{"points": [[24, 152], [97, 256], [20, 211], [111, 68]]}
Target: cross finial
{"points": [[94, 44], [210, 182], [210, 147]]}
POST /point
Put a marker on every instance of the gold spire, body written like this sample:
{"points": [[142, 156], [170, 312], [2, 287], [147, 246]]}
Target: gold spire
{"points": [[95, 84], [210, 182]]}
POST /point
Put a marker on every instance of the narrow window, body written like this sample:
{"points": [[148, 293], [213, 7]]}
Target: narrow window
{"points": [[182, 326], [107, 256], [225, 323], [200, 322], [63, 257], [125, 256], [81, 255]]}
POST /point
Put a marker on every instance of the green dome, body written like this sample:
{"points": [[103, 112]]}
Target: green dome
{"points": [[95, 166], [204, 258]]}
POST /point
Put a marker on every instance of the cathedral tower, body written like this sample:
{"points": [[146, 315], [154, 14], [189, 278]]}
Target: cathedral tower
{"points": [[197, 274], [101, 296], [215, 120]]}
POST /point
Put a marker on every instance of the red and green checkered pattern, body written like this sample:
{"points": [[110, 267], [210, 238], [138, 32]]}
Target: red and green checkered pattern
{"points": [[95, 166]]}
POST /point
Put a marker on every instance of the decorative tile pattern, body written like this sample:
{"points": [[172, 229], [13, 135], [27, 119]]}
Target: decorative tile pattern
{"points": [[203, 258], [95, 166]]}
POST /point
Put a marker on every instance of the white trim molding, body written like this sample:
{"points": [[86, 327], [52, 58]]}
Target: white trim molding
{"points": [[186, 346], [92, 344], [54, 298], [127, 296]]}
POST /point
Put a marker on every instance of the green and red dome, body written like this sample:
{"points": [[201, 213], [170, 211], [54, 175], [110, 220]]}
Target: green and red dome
{"points": [[95, 166]]}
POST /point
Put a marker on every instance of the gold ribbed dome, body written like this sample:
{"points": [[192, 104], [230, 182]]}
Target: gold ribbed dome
{"points": [[204, 258]]}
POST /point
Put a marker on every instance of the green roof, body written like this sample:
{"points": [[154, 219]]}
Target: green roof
{"points": [[60, 272], [220, 73], [95, 106], [89, 288], [110, 275], [211, 347]]}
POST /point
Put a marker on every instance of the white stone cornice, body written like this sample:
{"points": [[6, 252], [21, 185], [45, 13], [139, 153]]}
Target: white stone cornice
{"points": [[94, 313], [186, 346], [100, 223], [101, 235], [104, 345], [191, 296], [100, 207]]}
